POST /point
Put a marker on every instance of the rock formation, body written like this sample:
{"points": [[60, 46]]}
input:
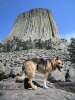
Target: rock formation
{"points": [[35, 24]]}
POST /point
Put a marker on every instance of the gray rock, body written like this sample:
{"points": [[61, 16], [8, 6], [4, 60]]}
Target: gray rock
{"points": [[2, 68], [9, 90], [2, 71], [14, 60], [35, 24]]}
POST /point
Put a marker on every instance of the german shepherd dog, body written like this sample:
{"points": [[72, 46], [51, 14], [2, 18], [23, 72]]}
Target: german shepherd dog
{"points": [[43, 66]]}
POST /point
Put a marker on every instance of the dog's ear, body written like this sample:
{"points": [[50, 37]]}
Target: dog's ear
{"points": [[57, 58]]}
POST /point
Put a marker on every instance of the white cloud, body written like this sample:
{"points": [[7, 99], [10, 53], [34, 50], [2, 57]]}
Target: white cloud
{"points": [[68, 36]]}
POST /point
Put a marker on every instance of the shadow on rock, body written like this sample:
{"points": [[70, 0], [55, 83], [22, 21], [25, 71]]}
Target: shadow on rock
{"points": [[27, 85], [37, 84], [67, 86], [1, 94]]}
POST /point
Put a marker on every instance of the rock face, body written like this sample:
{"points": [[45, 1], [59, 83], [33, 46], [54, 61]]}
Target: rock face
{"points": [[35, 24], [10, 90], [12, 64]]}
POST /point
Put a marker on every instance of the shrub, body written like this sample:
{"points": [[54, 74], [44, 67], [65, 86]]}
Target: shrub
{"points": [[71, 49]]}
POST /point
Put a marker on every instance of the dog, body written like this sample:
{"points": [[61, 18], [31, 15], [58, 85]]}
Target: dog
{"points": [[43, 66]]}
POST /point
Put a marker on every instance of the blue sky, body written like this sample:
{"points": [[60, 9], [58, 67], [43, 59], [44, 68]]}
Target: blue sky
{"points": [[63, 11]]}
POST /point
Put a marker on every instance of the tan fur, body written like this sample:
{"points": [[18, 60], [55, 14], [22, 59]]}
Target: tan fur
{"points": [[30, 69]]}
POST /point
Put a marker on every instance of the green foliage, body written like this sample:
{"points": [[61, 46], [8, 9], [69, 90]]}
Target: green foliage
{"points": [[48, 44], [23, 15], [1, 47], [38, 44], [16, 44], [29, 44], [1, 44], [71, 49]]}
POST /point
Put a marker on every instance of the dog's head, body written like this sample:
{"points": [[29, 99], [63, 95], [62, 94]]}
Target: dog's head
{"points": [[57, 62]]}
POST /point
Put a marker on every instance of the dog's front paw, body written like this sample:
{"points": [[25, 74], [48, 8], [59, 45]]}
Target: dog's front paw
{"points": [[45, 87]]}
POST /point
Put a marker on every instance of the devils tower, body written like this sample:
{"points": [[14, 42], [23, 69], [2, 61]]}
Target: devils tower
{"points": [[37, 23]]}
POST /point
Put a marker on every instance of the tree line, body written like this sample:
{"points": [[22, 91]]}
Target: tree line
{"points": [[71, 49], [17, 44]]}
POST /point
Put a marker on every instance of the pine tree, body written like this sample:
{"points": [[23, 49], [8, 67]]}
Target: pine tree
{"points": [[71, 49]]}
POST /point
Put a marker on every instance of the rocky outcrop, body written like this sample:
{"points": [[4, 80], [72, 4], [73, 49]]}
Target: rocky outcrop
{"points": [[10, 90], [35, 24], [12, 64]]}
